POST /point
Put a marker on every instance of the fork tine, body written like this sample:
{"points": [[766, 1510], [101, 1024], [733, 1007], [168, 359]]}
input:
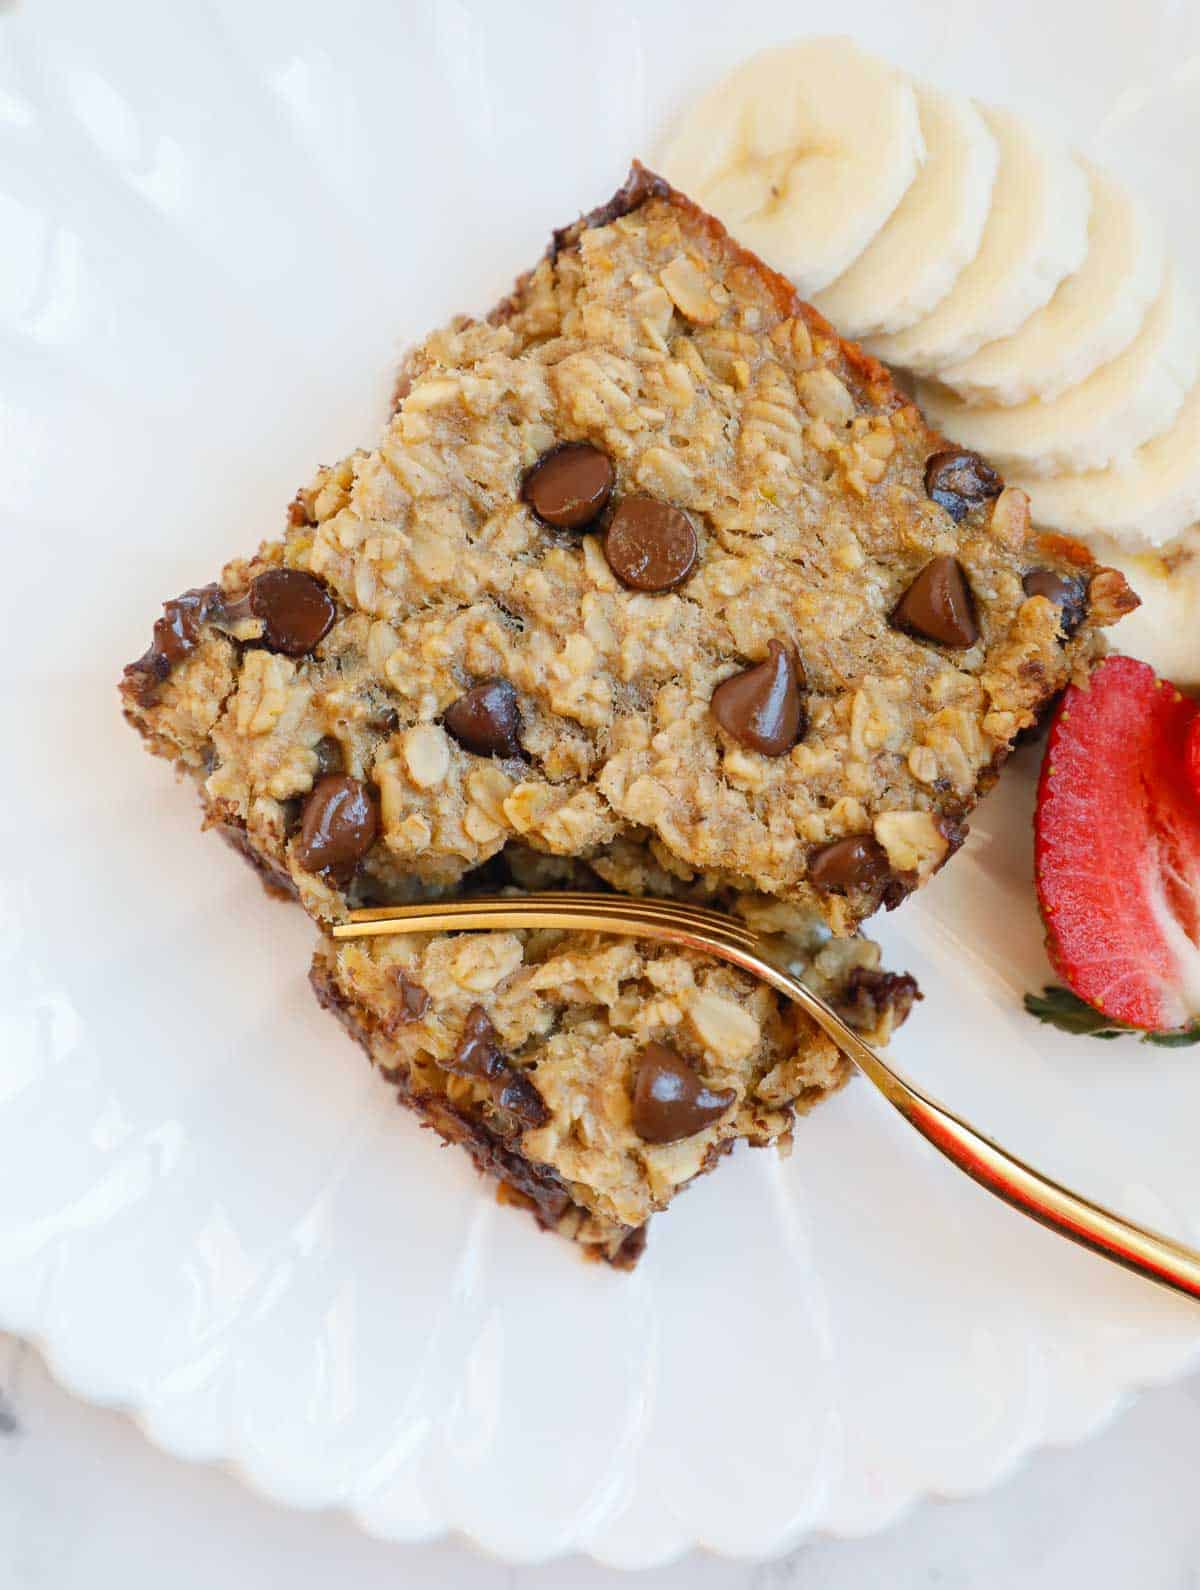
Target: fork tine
{"points": [[580, 901], [581, 909], [707, 922], [648, 906]]}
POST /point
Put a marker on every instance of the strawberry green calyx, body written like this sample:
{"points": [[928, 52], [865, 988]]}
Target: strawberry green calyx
{"points": [[1059, 1007]]}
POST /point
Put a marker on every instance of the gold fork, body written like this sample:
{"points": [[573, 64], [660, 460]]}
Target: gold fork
{"points": [[713, 933]]}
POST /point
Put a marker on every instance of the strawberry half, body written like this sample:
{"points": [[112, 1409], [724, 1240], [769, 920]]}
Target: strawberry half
{"points": [[1193, 754], [1118, 848]]}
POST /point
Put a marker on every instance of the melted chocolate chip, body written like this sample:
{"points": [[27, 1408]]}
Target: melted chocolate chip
{"points": [[486, 719], [291, 810], [329, 755], [414, 1001], [856, 862], [520, 1098], [296, 609], [650, 546], [1066, 591], [639, 186], [938, 605], [959, 481], [338, 825], [478, 1053], [669, 1099], [232, 613], [569, 487], [870, 997], [763, 707], [176, 634]]}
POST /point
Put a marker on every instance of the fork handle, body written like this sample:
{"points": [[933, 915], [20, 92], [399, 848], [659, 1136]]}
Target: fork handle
{"points": [[1091, 1225]]}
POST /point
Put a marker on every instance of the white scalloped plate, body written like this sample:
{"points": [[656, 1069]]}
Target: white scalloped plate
{"points": [[219, 225]]}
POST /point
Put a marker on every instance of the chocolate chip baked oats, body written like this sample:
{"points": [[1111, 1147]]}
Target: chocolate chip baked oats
{"points": [[652, 579], [595, 1077], [648, 552]]}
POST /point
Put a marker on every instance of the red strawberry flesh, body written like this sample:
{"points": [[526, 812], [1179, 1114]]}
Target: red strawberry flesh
{"points": [[1193, 754], [1118, 847]]}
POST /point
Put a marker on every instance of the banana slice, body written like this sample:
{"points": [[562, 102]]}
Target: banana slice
{"points": [[1128, 401], [1093, 316], [1149, 499], [933, 233], [1162, 631], [1036, 234], [803, 152]]}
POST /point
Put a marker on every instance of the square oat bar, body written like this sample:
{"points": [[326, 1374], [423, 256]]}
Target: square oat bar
{"points": [[650, 575], [596, 1077], [649, 552]]}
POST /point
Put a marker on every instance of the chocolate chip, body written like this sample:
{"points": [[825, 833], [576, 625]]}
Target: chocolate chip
{"points": [[650, 546], [669, 1099], [856, 862], [938, 605], [232, 613], [176, 634], [960, 481], [414, 1000], [520, 1098], [632, 1247], [291, 811], [478, 1053], [386, 720], [869, 997], [486, 720], [1067, 591], [569, 487], [296, 609], [338, 825], [763, 707], [329, 755]]}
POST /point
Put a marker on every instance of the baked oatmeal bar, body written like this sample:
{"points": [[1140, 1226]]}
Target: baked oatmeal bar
{"points": [[595, 1077], [648, 555]]}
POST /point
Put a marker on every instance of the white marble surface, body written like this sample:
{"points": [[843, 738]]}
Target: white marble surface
{"points": [[87, 1504]]}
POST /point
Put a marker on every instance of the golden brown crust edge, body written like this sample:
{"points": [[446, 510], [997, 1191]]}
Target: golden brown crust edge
{"points": [[642, 185]]}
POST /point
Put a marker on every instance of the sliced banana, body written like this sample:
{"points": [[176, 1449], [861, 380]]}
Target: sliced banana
{"points": [[1093, 316], [1126, 402], [933, 233], [1151, 498], [803, 152], [1162, 631], [1036, 234]]}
